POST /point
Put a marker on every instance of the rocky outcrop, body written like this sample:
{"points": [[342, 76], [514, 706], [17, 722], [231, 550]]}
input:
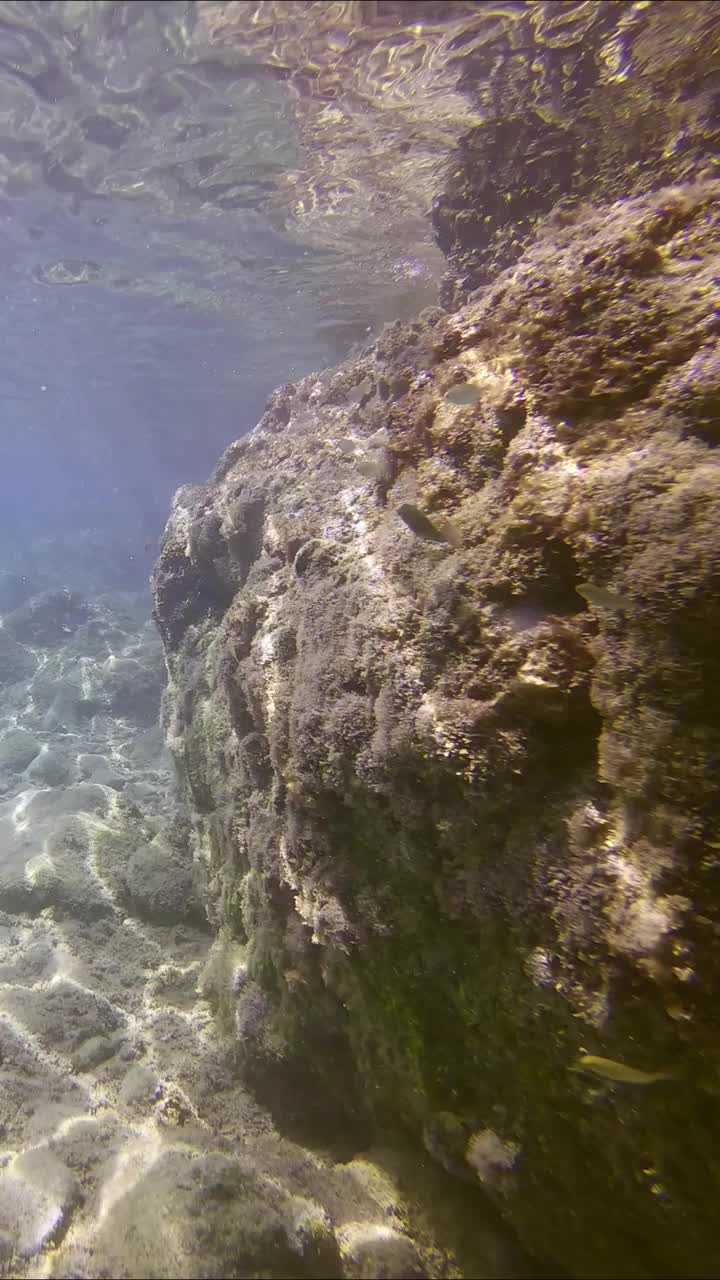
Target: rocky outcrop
{"points": [[441, 636]]}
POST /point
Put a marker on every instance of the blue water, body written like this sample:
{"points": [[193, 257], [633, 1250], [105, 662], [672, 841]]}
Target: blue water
{"points": [[151, 291]]}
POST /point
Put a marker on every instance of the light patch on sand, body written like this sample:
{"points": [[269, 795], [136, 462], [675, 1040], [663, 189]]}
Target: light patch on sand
{"points": [[86, 684], [93, 825], [94, 870], [20, 819], [130, 1166], [32, 1233], [68, 1126], [65, 961]]}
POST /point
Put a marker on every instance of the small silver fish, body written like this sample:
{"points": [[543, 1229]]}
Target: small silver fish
{"points": [[601, 598], [463, 393]]}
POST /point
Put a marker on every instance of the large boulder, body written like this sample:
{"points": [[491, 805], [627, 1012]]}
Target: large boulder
{"points": [[159, 884], [443, 693]]}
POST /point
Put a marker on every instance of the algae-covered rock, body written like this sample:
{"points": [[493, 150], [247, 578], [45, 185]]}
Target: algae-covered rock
{"points": [[159, 883], [461, 814]]}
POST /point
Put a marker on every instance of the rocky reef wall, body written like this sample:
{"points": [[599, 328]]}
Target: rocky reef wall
{"points": [[441, 637]]}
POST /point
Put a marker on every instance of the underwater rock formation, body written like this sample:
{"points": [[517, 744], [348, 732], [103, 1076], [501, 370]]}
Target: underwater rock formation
{"points": [[457, 793]]}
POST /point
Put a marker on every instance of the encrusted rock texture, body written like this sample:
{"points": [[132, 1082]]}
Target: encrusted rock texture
{"points": [[463, 815]]}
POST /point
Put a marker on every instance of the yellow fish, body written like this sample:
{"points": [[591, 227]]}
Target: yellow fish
{"points": [[618, 1072]]}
